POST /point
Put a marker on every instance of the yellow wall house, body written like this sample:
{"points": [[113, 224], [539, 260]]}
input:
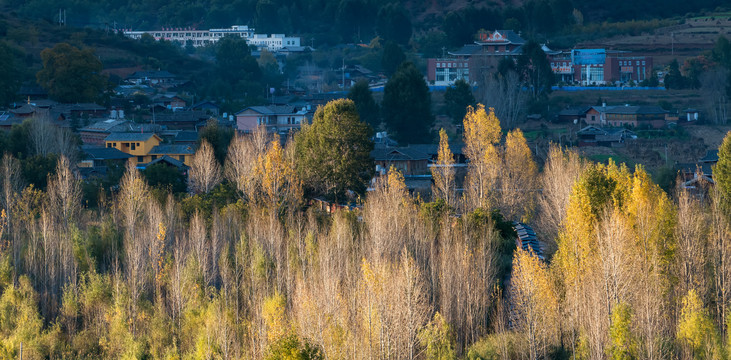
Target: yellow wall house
{"points": [[145, 147]]}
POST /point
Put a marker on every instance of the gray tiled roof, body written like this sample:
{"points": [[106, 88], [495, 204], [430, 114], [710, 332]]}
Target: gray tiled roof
{"points": [[168, 159], [129, 136], [172, 149], [106, 154], [401, 153]]}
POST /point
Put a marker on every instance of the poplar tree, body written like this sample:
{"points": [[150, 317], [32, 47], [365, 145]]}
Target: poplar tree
{"points": [[443, 172]]}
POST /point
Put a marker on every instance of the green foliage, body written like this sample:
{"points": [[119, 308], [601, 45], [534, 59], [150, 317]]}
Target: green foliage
{"points": [[674, 79], [722, 173], [9, 74], [38, 168], [493, 346], [407, 106], [71, 75], [457, 98], [163, 176], [219, 137], [535, 69], [237, 71], [291, 347], [333, 153], [393, 23], [623, 344], [436, 337], [392, 57], [696, 328], [367, 108], [20, 321]]}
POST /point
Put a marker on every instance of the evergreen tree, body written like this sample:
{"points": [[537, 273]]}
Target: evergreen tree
{"points": [[367, 108], [333, 154], [674, 79], [393, 23], [392, 57], [535, 69], [457, 98], [70, 74], [9, 77], [407, 106]]}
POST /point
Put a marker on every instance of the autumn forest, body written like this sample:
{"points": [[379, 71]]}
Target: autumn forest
{"points": [[628, 271]]}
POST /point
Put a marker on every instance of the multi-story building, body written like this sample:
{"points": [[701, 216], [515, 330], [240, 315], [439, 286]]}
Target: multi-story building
{"points": [[599, 66], [277, 119], [472, 59], [145, 147], [195, 37]]}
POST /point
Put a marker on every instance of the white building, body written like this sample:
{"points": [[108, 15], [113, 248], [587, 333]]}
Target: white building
{"points": [[273, 42]]}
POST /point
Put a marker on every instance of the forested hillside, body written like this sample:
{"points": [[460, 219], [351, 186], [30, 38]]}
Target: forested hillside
{"points": [[354, 19], [241, 267]]}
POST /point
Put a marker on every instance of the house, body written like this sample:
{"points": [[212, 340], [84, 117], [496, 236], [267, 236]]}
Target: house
{"points": [[151, 78], [138, 145], [99, 157], [633, 116], [182, 153], [180, 120], [172, 102], [608, 137], [167, 160], [96, 133], [572, 115], [208, 106], [276, 118], [145, 147], [80, 110], [8, 119], [699, 176], [409, 161]]}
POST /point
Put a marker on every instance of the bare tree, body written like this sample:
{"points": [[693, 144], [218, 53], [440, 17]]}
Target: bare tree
{"points": [[11, 181], [132, 200], [505, 95], [714, 87], [561, 171], [205, 172], [243, 154]]}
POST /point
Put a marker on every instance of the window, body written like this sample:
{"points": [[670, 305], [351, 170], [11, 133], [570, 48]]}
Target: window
{"points": [[182, 158], [153, 157], [109, 145], [133, 146], [140, 158]]}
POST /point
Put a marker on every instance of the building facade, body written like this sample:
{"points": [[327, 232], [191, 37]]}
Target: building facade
{"points": [[195, 37]]}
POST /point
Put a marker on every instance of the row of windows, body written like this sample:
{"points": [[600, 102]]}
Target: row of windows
{"points": [[629, 63], [451, 65]]}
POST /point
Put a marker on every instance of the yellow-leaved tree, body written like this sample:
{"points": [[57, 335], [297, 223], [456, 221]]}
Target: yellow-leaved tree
{"points": [[482, 134], [696, 330], [535, 303], [519, 177], [443, 172]]}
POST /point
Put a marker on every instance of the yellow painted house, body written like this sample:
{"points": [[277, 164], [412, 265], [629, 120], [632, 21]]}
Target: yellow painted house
{"points": [[145, 147]]}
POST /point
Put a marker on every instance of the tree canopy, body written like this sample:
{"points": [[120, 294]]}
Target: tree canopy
{"points": [[70, 74], [367, 108], [457, 98], [407, 106], [334, 151]]}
